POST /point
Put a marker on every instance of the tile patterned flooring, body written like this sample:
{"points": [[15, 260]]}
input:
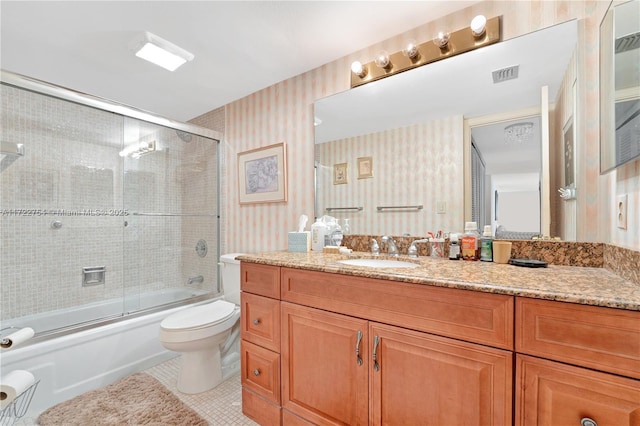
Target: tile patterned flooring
{"points": [[220, 406]]}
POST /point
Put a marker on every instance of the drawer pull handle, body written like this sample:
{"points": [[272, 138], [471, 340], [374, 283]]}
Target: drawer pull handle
{"points": [[256, 372], [256, 321], [358, 357], [586, 421], [376, 342]]}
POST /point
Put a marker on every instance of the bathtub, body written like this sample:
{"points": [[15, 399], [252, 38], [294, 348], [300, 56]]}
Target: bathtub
{"points": [[73, 363]]}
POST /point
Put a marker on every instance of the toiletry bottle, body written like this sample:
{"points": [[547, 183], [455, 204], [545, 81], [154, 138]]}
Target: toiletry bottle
{"points": [[454, 247], [346, 229], [486, 245], [318, 232], [469, 241]]}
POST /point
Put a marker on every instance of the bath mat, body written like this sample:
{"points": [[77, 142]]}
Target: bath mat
{"points": [[138, 399]]}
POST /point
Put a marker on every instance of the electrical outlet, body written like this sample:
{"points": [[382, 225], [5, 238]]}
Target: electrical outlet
{"points": [[441, 207], [621, 211]]}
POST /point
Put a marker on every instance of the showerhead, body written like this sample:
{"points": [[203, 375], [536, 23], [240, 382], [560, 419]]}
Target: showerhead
{"points": [[185, 136]]}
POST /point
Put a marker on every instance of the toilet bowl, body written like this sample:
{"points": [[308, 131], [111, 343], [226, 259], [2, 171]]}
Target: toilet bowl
{"points": [[200, 332]]}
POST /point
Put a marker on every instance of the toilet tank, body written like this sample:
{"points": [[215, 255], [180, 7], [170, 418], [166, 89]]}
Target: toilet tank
{"points": [[230, 275]]}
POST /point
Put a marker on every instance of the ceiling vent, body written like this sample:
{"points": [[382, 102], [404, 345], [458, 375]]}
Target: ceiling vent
{"points": [[505, 74], [628, 42]]}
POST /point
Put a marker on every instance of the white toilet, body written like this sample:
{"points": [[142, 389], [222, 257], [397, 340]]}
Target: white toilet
{"points": [[202, 332]]}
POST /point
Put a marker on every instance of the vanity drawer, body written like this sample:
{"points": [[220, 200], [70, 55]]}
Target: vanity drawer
{"points": [[477, 317], [604, 339], [260, 279], [260, 321], [260, 371]]}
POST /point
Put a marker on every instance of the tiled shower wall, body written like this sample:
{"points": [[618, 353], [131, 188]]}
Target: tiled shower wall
{"points": [[71, 170]]}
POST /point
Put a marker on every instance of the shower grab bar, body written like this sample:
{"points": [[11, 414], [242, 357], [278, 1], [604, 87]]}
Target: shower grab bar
{"points": [[382, 208], [333, 209], [11, 148]]}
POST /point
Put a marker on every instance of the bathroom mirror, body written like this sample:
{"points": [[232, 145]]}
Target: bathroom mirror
{"points": [[399, 142], [620, 85]]}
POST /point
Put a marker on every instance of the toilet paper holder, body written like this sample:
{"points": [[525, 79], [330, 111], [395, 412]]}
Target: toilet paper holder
{"points": [[19, 406]]}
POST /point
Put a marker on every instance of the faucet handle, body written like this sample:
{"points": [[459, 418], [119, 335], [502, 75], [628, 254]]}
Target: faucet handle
{"points": [[413, 249], [375, 247]]}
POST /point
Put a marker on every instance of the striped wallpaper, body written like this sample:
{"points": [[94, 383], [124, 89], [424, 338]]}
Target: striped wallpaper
{"points": [[283, 112], [415, 165]]}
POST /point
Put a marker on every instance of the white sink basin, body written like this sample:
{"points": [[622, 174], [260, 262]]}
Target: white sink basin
{"points": [[378, 263]]}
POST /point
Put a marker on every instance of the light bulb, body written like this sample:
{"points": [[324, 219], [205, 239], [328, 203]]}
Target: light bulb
{"points": [[382, 59], [358, 69], [442, 39], [478, 25], [410, 49]]}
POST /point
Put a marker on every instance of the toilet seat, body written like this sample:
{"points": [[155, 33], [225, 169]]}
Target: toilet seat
{"points": [[199, 317]]}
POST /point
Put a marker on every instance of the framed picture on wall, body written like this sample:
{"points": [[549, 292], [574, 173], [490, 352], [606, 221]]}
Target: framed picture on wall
{"points": [[365, 167], [340, 173], [262, 175]]}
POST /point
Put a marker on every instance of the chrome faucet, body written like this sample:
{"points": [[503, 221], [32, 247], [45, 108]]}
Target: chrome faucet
{"points": [[413, 250], [392, 248], [375, 247]]}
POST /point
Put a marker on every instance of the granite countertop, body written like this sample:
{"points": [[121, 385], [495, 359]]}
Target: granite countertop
{"points": [[583, 285]]}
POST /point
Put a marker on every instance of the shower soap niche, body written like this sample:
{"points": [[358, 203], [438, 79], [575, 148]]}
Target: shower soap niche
{"points": [[93, 275]]}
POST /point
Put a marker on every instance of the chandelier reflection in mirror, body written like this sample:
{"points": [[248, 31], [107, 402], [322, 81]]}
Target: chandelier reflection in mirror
{"points": [[518, 133]]}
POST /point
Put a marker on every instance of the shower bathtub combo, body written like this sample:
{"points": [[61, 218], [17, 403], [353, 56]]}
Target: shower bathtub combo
{"points": [[109, 224]]}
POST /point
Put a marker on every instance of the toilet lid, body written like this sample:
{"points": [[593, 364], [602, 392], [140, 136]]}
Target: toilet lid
{"points": [[199, 316]]}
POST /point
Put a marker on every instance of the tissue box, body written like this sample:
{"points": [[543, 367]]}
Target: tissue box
{"points": [[300, 241]]}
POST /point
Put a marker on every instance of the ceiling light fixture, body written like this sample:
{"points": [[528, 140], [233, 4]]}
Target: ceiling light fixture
{"points": [[161, 52], [518, 133]]}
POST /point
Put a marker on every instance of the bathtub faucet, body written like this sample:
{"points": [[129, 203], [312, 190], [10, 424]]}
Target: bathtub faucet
{"points": [[195, 280]]}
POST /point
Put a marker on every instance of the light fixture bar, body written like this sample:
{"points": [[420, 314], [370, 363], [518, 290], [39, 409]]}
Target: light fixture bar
{"points": [[161, 52], [460, 41]]}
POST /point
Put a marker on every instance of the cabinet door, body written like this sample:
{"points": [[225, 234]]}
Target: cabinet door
{"points": [[551, 393], [324, 378], [421, 379]]}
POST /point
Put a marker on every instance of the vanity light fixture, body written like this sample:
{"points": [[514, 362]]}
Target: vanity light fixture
{"points": [[442, 39], [358, 69], [411, 50], [478, 26], [161, 52], [382, 60], [414, 55], [518, 133]]}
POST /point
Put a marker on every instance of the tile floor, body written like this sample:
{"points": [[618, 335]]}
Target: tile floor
{"points": [[221, 406]]}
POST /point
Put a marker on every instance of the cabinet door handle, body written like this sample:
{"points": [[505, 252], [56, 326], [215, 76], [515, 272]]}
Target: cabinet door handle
{"points": [[376, 342], [358, 357], [256, 372], [256, 321], [586, 421]]}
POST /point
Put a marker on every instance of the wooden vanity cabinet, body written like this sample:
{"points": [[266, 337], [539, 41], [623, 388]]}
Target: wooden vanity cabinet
{"points": [[331, 377], [601, 385], [260, 342]]}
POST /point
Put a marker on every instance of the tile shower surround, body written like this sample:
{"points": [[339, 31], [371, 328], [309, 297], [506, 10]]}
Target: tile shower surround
{"points": [[41, 266]]}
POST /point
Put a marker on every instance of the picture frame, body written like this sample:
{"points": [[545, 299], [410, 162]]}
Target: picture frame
{"points": [[262, 175], [365, 167], [340, 175]]}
